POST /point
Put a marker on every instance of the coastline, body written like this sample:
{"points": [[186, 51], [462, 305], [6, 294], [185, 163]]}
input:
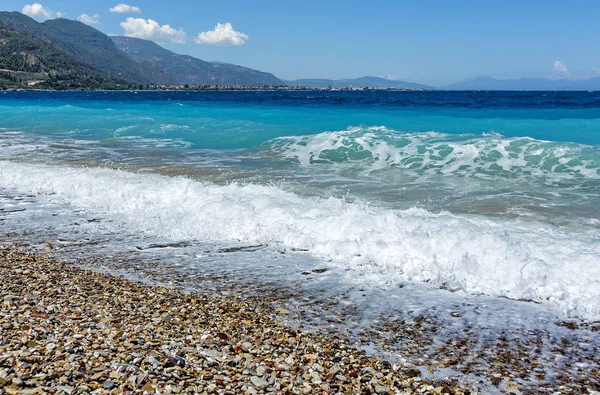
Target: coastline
{"points": [[70, 330], [223, 89]]}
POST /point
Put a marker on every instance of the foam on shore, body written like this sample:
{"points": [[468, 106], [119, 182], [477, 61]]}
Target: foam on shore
{"points": [[475, 254]]}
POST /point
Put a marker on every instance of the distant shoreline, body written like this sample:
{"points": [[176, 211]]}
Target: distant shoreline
{"points": [[286, 89], [228, 89]]}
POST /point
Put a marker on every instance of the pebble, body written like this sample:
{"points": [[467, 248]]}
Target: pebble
{"points": [[259, 382], [109, 384]]}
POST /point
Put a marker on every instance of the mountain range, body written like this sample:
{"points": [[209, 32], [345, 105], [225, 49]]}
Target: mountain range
{"points": [[187, 70], [65, 54]]}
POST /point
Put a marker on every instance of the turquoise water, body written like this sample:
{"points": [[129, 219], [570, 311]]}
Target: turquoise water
{"points": [[228, 125], [472, 192]]}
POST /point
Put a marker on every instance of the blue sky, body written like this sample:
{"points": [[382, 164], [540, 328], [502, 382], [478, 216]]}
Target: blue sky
{"points": [[428, 41]]}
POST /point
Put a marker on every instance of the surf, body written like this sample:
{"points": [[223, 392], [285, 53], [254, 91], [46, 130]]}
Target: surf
{"points": [[474, 254]]}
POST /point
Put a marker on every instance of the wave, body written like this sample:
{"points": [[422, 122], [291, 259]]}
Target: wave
{"points": [[487, 156], [475, 254]]}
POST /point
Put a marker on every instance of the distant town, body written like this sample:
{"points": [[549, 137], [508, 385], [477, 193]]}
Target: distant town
{"points": [[276, 88], [128, 87]]}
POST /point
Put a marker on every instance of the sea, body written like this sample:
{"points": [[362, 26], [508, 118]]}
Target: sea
{"points": [[477, 193], [479, 208], [467, 193]]}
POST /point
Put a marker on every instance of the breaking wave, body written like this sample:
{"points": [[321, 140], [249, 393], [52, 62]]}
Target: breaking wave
{"points": [[487, 156], [470, 253]]}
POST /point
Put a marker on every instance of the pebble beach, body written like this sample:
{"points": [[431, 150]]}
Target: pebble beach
{"points": [[67, 330]]}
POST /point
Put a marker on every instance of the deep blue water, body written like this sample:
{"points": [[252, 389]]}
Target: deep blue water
{"points": [[390, 99]]}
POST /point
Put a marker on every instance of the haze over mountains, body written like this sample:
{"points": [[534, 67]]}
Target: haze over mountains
{"points": [[526, 84], [66, 54]]}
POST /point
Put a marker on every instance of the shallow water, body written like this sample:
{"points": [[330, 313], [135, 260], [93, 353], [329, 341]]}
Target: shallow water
{"points": [[474, 193]]}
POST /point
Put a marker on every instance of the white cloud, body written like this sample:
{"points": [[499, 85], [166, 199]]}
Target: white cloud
{"points": [[89, 20], [125, 8], [223, 34], [596, 71], [151, 30], [38, 11], [560, 68]]}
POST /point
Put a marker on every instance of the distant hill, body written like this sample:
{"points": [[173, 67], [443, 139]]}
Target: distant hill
{"points": [[85, 45], [525, 84], [28, 60], [183, 69], [362, 82]]}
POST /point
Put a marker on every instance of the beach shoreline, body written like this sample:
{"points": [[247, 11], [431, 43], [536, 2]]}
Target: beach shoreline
{"points": [[418, 335], [70, 330]]}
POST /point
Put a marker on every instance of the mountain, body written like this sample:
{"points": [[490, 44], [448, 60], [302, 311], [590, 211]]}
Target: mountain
{"points": [[28, 60], [362, 82], [85, 45], [526, 84], [183, 69]]}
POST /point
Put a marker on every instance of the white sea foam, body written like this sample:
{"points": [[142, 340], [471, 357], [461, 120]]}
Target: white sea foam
{"points": [[475, 254], [423, 154], [144, 142]]}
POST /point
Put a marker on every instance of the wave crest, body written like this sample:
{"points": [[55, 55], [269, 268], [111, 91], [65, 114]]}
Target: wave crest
{"points": [[422, 154]]}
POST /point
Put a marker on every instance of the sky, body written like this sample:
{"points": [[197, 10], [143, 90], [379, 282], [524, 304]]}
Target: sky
{"points": [[435, 42]]}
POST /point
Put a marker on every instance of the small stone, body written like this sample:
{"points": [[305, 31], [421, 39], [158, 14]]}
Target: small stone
{"points": [[97, 376], [67, 389], [246, 346], [259, 382], [380, 389], [41, 276], [109, 384], [153, 361], [11, 390]]}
